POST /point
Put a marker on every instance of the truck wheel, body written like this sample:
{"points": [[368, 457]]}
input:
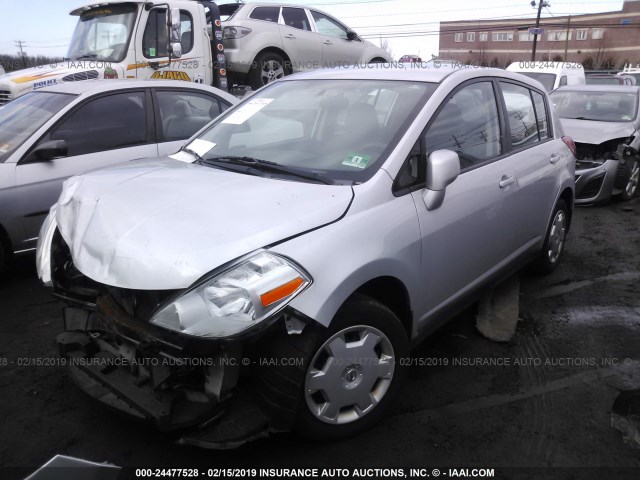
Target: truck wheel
{"points": [[549, 258], [267, 68], [346, 376], [631, 188]]}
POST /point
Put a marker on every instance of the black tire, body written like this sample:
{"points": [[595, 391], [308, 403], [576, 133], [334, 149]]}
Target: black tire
{"points": [[267, 68], [632, 176], [281, 387], [548, 258]]}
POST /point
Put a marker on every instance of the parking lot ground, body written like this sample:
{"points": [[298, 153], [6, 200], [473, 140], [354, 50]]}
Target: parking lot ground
{"points": [[541, 400]]}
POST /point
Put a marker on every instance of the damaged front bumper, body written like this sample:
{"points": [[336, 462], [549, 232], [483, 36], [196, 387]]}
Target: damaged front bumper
{"points": [[192, 388], [595, 183]]}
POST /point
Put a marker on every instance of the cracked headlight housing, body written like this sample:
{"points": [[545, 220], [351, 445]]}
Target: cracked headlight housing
{"points": [[236, 299]]}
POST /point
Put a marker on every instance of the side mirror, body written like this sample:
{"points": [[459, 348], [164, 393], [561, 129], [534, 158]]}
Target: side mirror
{"points": [[443, 167], [48, 151], [351, 35], [175, 48]]}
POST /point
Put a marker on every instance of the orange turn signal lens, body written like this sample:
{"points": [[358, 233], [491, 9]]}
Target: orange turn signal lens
{"points": [[278, 293]]}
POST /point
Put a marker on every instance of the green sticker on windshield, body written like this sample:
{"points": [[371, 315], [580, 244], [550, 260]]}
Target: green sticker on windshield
{"points": [[152, 52], [355, 160]]}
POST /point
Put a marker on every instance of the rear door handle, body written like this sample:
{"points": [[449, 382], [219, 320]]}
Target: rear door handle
{"points": [[289, 36], [554, 158], [327, 42], [506, 181]]}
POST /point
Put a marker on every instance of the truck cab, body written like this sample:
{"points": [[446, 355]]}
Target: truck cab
{"points": [[551, 74], [126, 40]]}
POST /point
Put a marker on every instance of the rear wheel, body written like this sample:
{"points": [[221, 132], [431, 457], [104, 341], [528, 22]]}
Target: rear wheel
{"points": [[267, 68], [347, 376], [631, 188], [549, 258]]}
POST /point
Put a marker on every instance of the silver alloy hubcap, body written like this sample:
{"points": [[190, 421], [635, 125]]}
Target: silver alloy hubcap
{"points": [[271, 71], [349, 375], [632, 184], [557, 236]]}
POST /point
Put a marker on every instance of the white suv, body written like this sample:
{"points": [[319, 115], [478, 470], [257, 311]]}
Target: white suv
{"points": [[266, 42]]}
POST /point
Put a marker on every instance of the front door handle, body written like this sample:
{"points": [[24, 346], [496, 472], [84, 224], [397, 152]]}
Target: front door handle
{"points": [[289, 36], [506, 181], [554, 158], [327, 42]]}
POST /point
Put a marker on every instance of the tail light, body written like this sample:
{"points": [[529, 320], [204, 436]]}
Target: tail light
{"points": [[569, 143], [232, 33]]}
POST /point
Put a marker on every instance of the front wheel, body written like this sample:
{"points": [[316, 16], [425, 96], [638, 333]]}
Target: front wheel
{"points": [[268, 67], [349, 374], [549, 258], [631, 188]]}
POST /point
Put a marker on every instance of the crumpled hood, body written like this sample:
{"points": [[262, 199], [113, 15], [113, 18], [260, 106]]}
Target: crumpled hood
{"points": [[162, 224], [595, 133]]}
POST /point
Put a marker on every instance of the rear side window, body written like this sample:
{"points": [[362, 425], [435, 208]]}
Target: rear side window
{"points": [[468, 124], [184, 113], [521, 115], [541, 115], [268, 14], [296, 18], [106, 123]]}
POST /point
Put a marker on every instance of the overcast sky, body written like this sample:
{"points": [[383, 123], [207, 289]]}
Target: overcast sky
{"points": [[411, 26]]}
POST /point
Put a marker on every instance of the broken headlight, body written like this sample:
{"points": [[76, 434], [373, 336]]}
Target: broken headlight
{"points": [[236, 299], [43, 248]]}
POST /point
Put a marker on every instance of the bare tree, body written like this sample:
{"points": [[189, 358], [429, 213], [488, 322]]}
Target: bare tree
{"points": [[600, 52], [384, 44]]}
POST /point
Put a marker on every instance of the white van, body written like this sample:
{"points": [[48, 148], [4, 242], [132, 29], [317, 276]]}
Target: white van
{"points": [[551, 74]]}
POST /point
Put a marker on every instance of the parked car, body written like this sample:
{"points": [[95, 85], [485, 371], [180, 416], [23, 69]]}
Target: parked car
{"points": [[603, 121], [265, 42], [277, 276], [551, 74], [410, 59], [609, 79], [51, 134]]}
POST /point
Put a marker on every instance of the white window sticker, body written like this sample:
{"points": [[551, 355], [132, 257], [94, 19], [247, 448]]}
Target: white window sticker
{"points": [[248, 110], [201, 147], [182, 156]]}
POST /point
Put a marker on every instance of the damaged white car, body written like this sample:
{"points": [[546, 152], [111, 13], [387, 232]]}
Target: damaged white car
{"points": [[274, 273], [603, 122]]}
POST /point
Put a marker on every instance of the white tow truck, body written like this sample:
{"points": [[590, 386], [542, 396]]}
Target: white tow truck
{"points": [[176, 39]]}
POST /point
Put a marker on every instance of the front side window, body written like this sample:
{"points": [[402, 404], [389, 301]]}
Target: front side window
{"points": [[328, 26], [296, 18], [341, 130], [521, 115], [156, 34], [105, 123], [468, 124], [596, 105], [22, 117], [103, 33], [184, 113], [268, 14]]}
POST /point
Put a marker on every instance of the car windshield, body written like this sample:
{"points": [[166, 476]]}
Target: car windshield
{"points": [[103, 33], [548, 80], [339, 130], [20, 118], [596, 105]]}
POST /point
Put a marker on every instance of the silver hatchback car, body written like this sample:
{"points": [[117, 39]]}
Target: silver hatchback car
{"points": [[276, 276]]}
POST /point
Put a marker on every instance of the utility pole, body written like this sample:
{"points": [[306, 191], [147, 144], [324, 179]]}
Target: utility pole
{"points": [[540, 4], [20, 44], [566, 40]]}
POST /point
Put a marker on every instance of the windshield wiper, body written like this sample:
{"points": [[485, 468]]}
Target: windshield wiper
{"points": [[87, 55], [585, 118], [263, 166], [184, 148]]}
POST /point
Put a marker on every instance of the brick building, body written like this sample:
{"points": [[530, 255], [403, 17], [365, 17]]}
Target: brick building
{"points": [[599, 40]]}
